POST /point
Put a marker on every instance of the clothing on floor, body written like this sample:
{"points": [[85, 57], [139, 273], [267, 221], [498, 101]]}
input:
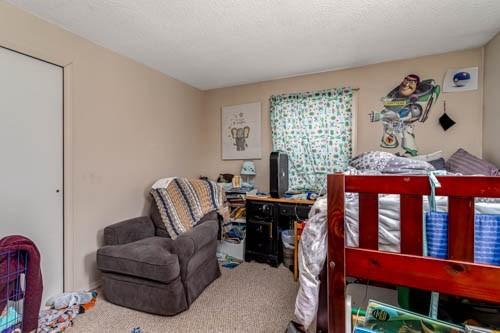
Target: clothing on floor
{"points": [[12, 330], [69, 299], [55, 321], [34, 283], [63, 309]]}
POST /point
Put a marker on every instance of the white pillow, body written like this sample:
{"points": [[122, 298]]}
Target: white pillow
{"points": [[162, 183], [429, 157]]}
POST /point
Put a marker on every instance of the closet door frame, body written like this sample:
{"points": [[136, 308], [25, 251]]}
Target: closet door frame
{"points": [[67, 167]]}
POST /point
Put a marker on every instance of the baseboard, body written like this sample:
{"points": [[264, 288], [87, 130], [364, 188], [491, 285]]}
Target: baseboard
{"points": [[95, 285]]}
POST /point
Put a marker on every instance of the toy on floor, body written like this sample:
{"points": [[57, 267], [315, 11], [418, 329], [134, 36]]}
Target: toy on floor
{"points": [[228, 261]]}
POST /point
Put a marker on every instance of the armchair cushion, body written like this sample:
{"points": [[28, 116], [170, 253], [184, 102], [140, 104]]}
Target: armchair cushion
{"points": [[148, 258], [129, 231]]}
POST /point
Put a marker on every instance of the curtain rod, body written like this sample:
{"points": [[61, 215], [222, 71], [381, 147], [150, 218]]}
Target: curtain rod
{"points": [[353, 89]]}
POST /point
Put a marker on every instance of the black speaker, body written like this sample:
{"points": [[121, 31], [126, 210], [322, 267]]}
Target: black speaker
{"points": [[278, 167]]}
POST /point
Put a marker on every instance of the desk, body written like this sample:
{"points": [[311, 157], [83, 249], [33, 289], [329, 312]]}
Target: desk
{"points": [[266, 218], [267, 198]]}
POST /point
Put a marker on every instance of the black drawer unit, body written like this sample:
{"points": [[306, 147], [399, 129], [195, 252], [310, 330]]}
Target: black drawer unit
{"points": [[261, 211], [260, 236], [299, 212], [265, 220]]}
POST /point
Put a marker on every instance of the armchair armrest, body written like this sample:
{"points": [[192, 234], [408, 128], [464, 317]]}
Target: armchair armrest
{"points": [[202, 234], [189, 243], [129, 231], [186, 244]]}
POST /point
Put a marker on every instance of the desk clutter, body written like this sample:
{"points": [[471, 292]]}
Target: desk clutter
{"points": [[231, 248], [262, 226]]}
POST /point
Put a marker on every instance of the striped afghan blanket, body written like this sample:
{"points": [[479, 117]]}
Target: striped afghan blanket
{"points": [[183, 202]]}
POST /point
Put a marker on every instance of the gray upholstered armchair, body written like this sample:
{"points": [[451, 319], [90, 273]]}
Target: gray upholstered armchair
{"points": [[144, 269]]}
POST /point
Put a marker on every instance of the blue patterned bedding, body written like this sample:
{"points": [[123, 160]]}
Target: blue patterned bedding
{"points": [[486, 237]]}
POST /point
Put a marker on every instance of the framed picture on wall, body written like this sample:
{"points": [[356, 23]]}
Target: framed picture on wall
{"points": [[241, 132], [462, 79]]}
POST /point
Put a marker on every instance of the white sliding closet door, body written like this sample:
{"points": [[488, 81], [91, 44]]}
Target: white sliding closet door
{"points": [[31, 159]]}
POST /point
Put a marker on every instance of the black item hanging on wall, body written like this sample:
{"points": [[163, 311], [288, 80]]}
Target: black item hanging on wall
{"points": [[445, 121]]}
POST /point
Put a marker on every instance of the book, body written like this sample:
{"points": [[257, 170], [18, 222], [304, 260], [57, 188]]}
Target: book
{"points": [[359, 329], [476, 329], [386, 318]]}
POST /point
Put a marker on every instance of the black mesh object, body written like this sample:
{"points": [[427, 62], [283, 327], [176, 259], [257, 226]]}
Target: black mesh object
{"points": [[446, 122]]}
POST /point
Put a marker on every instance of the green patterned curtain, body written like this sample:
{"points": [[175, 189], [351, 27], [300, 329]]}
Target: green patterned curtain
{"points": [[315, 129]]}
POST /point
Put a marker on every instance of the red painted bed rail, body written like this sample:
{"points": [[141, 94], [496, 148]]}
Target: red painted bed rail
{"points": [[463, 186], [447, 276], [458, 275]]}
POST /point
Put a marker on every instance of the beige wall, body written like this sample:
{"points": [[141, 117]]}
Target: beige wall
{"points": [[374, 82], [126, 126], [491, 136]]}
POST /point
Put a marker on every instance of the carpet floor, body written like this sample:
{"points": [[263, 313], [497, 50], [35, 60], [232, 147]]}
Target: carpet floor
{"points": [[249, 298]]}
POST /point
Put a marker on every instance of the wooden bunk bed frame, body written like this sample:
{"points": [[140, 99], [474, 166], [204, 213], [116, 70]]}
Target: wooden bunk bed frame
{"points": [[457, 275]]}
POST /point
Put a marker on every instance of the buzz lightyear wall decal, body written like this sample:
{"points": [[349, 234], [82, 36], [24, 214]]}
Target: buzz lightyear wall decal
{"points": [[405, 106]]}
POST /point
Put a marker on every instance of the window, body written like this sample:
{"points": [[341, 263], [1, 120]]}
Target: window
{"points": [[315, 130]]}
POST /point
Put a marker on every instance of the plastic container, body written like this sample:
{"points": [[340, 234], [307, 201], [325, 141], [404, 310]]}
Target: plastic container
{"points": [[234, 250], [288, 255], [287, 238]]}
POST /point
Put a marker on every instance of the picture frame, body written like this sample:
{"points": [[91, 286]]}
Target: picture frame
{"points": [[461, 79], [241, 131]]}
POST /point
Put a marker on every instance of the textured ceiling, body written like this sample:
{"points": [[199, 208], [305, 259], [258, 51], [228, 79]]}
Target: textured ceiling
{"points": [[216, 43]]}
